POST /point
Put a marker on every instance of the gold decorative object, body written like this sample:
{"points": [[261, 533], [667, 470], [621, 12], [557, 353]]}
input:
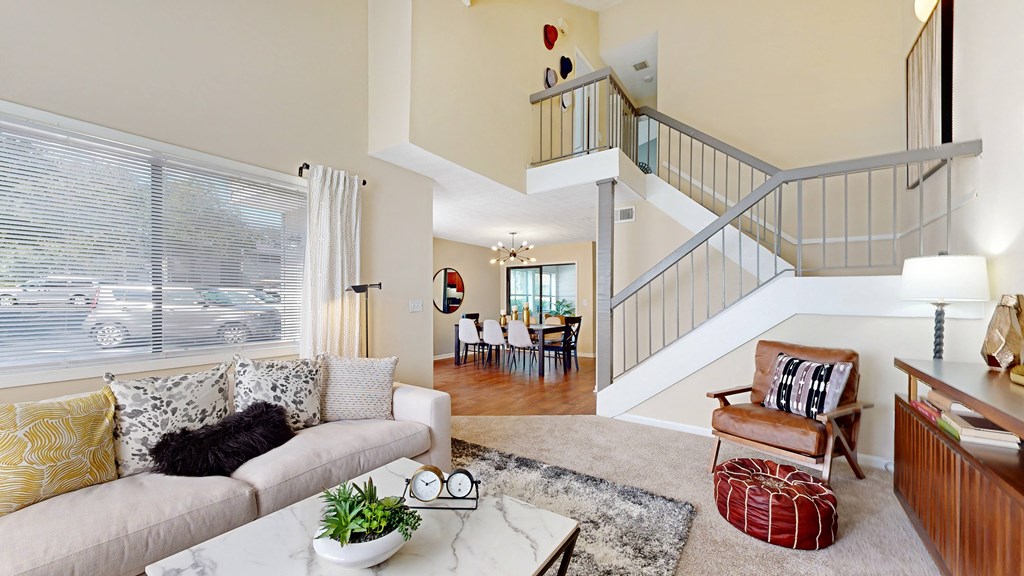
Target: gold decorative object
{"points": [[1017, 375], [1003, 340]]}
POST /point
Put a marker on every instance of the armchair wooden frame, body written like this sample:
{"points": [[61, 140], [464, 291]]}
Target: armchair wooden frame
{"points": [[836, 440]]}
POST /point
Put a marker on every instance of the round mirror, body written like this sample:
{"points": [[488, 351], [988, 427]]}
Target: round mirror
{"points": [[448, 290]]}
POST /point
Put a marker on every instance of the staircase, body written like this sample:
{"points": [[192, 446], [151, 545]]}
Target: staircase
{"points": [[840, 230]]}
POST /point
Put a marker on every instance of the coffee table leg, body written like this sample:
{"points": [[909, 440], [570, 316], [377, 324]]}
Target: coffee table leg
{"points": [[567, 548]]}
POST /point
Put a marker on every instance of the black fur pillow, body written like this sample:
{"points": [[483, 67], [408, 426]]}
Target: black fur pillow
{"points": [[219, 449]]}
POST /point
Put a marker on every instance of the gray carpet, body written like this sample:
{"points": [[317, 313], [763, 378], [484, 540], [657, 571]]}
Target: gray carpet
{"points": [[875, 536], [623, 529]]}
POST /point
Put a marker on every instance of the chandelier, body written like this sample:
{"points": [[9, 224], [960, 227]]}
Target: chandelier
{"points": [[513, 253]]}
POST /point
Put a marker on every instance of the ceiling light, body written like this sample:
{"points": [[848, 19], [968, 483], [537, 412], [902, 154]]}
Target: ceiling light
{"points": [[512, 255], [641, 65]]}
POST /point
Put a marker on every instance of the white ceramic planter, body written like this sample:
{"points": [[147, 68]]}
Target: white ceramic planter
{"points": [[361, 555]]}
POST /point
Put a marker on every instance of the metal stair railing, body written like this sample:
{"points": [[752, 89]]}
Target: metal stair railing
{"points": [[860, 216]]}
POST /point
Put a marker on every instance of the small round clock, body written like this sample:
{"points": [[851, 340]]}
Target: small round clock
{"points": [[426, 483], [460, 483]]}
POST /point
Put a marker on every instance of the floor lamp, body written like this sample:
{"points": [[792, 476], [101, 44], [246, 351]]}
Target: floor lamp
{"points": [[364, 289], [943, 279]]}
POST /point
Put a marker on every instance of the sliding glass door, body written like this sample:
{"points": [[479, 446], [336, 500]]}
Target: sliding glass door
{"points": [[549, 289]]}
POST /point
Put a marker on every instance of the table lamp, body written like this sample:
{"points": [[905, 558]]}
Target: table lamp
{"points": [[943, 279]]}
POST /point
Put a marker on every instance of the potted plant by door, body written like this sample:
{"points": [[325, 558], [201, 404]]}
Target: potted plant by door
{"points": [[360, 530]]}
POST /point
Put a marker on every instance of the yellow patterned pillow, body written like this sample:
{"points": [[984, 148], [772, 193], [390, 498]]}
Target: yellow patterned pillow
{"points": [[55, 446]]}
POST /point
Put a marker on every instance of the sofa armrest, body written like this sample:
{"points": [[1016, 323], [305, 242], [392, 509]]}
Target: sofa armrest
{"points": [[846, 410], [430, 407], [722, 395]]}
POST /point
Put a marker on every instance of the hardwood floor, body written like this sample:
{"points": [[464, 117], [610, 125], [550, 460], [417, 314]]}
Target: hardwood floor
{"points": [[481, 390]]}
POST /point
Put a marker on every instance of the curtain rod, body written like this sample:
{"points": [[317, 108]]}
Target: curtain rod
{"points": [[305, 166]]}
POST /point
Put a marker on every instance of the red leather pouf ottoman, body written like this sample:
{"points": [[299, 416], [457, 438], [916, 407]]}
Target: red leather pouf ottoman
{"points": [[777, 503]]}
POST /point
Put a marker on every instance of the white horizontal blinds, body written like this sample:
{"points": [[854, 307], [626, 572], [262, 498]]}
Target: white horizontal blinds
{"points": [[108, 251], [242, 238]]}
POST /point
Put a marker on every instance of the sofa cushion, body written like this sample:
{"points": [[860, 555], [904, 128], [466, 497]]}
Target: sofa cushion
{"points": [[327, 455], [55, 446], [768, 352], [294, 384], [148, 408], [119, 527], [356, 388], [767, 426], [806, 388], [219, 449]]}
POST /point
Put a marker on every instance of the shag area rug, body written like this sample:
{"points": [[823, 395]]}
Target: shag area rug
{"points": [[623, 530]]}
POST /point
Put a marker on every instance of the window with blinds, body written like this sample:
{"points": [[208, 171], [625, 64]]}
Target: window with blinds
{"points": [[108, 251]]}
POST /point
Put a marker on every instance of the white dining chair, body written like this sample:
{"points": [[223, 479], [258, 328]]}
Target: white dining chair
{"points": [[494, 339], [469, 337], [519, 340]]}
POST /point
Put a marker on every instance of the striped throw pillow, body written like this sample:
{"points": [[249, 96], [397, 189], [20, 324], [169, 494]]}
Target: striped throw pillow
{"points": [[356, 388], [55, 446], [806, 388]]}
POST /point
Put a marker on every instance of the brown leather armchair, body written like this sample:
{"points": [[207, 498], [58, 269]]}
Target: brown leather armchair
{"points": [[811, 442]]}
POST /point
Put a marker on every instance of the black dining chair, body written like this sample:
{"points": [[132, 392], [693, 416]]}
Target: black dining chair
{"points": [[474, 316], [568, 345]]}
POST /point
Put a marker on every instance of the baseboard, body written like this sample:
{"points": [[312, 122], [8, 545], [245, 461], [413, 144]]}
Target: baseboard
{"points": [[866, 460], [444, 356], [586, 355], [677, 426]]}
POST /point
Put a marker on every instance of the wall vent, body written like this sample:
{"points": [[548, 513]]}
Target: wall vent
{"points": [[625, 214], [641, 65]]}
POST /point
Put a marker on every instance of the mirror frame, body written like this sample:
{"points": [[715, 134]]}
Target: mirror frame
{"points": [[446, 269]]}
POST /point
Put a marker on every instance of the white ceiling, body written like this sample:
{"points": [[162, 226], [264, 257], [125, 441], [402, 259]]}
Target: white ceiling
{"points": [[476, 210], [622, 58], [595, 5]]}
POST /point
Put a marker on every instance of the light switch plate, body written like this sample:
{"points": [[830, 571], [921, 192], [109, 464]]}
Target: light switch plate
{"points": [[415, 305]]}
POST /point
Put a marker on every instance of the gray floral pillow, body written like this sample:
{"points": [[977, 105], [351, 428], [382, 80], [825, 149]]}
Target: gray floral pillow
{"points": [[148, 408], [294, 384]]}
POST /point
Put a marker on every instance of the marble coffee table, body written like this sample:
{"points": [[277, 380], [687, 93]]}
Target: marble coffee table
{"points": [[503, 536]]}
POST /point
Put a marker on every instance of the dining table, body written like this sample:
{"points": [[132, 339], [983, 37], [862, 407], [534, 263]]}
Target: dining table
{"points": [[538, 331]]}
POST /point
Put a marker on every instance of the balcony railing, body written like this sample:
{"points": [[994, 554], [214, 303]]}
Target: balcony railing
{"points": [[581, 116]]}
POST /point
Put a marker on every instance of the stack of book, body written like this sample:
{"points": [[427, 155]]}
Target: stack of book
{"points": [[962, 423]]}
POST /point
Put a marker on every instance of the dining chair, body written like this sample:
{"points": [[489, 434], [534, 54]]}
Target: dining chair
{"points": [[494, 339], [469, 337], [474, 316], [552, 339], [570, 344], [519, 340]]}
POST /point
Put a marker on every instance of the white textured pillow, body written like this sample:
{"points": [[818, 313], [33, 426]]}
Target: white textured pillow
{"points": [[294, 384], [148, 408], [356, 388]]}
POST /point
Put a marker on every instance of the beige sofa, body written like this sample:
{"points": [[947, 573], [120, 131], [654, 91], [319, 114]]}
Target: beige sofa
{"points": [[119, 527]]}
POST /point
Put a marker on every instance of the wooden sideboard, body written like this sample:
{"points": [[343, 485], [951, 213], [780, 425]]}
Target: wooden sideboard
{"points": [[965, 500]]}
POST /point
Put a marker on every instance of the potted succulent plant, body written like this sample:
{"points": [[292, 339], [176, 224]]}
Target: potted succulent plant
{"points": [[359, 530]]}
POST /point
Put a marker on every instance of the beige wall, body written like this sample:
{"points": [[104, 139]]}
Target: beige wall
{"points": [[987, 103], [472, 71], [582, 254], [483, 288], [269, 83], [878, 340], [790, 81]]}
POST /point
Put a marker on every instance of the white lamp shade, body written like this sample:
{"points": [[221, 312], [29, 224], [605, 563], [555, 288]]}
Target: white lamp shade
{"points": [[942, 279], [923, 9]]}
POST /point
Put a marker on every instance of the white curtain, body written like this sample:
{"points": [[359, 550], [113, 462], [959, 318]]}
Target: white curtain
{"points": [[330, 315]]}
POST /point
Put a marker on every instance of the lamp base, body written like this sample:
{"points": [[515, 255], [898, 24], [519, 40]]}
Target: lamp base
{"points": [[940, 329]]}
